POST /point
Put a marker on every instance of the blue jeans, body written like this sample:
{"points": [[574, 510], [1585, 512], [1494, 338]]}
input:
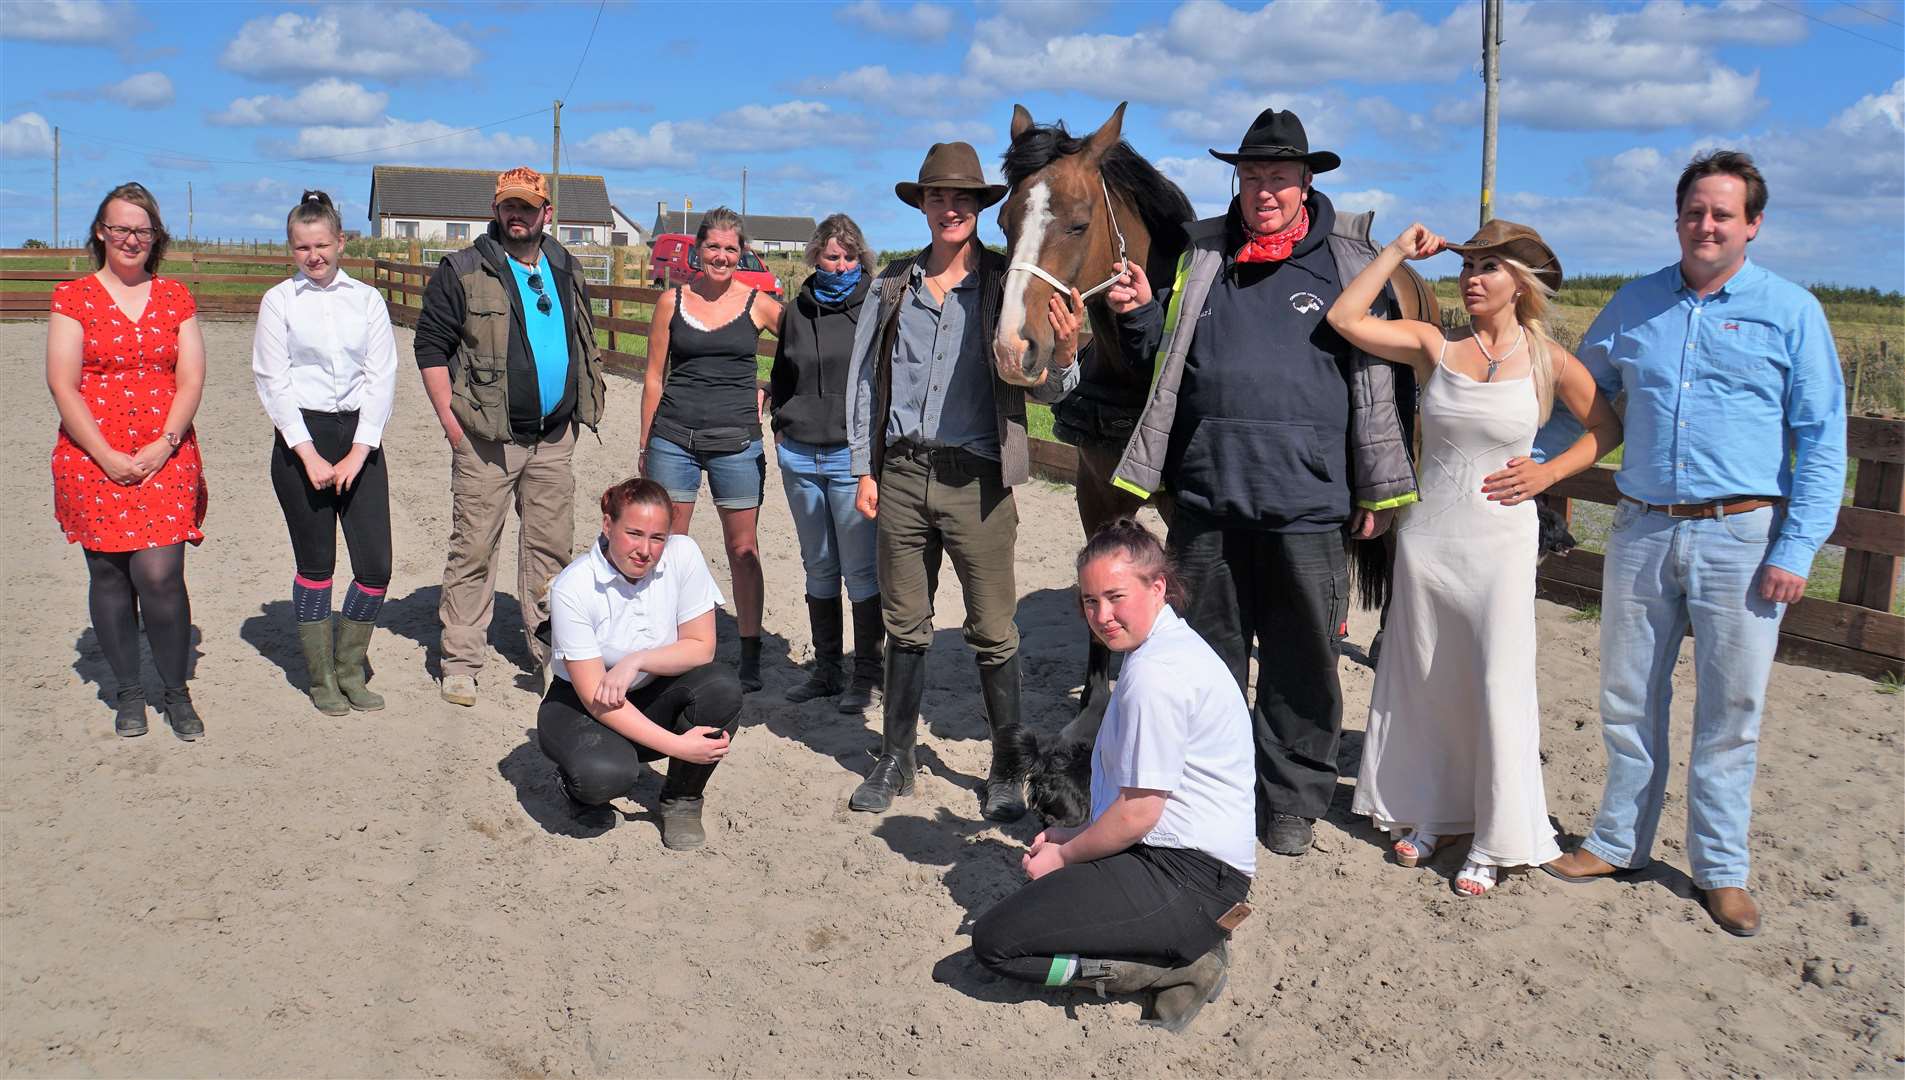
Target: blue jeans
{"points": [[736, 480], [835, 539], [1661, 574]]}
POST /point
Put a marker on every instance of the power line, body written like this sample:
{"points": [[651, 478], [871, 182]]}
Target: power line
{"points": [[1836, 26], [585, 48], [1869, 14]]}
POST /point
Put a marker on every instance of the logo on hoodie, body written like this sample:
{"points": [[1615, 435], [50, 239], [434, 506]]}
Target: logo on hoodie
{"points": [[1305, 302]]}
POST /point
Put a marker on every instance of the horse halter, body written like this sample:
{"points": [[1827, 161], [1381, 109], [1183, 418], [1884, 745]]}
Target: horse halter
{"points": [[1063, 287]]}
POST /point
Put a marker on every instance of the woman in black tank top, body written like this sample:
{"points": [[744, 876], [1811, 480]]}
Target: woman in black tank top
{"points": [[701, 411]]}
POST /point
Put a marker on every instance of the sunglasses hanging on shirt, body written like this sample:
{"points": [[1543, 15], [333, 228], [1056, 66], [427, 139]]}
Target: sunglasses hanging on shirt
{"points": [[543, 303]]}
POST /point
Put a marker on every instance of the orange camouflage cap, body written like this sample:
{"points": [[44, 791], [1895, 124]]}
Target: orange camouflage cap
{"points": [[522, 183]]}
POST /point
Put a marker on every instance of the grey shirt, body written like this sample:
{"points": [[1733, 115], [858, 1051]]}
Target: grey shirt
{"points": [[941, 377]]}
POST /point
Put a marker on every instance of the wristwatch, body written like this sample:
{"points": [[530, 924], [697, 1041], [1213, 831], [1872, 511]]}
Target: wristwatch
{"points": [[170, 438]]}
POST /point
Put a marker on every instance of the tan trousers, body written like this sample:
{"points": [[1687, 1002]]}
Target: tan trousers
{"points": [[485, 478]]}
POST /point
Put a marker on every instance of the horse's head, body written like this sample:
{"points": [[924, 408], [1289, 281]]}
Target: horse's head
{"points": [[1058, 227]]}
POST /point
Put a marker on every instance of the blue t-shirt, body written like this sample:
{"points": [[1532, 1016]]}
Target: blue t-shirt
{"points": [[548, 333]]}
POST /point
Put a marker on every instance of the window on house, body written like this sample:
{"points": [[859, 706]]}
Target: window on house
{"points": [[457, 230], [574, 235], [406, 230]]}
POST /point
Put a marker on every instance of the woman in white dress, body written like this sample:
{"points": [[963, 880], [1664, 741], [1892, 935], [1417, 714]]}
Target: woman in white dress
{"points": [[1453, 745]]}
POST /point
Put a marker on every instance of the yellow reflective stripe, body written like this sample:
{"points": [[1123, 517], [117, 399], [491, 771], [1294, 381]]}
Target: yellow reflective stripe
{"points": [[1389, 504], [1121, 482], [1171, 312]]}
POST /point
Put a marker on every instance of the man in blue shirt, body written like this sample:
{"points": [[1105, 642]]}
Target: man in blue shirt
{"points": [[1731, 480]]}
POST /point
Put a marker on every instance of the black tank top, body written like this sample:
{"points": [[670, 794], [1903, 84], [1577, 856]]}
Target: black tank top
{"points": [[712, 375]]}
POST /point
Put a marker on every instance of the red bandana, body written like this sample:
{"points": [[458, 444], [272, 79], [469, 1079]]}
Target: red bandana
{"points": [[1276, 247]]}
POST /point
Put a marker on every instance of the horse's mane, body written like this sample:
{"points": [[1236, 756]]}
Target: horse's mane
{"points": [[1161, 203]]}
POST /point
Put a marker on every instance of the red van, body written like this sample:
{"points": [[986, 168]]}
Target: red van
{"points": [[675, 261]]}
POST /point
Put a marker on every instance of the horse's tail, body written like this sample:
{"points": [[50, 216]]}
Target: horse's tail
{"points": [[1414, 296], [1372, 571]]}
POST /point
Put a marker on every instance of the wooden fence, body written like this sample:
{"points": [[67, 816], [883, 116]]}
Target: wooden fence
{"points": [[1857, 633]]}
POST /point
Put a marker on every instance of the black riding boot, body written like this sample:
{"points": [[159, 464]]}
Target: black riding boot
{"points": [[999, 685], [827, 678], [892, 774], [868, 668]]}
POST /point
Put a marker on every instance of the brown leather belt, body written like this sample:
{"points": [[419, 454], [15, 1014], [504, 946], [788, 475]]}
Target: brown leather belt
{"points": [[1717, 508]]}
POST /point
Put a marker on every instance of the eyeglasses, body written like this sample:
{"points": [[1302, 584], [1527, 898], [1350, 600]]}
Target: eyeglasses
{"points": [[543, 303], [121, 232]]}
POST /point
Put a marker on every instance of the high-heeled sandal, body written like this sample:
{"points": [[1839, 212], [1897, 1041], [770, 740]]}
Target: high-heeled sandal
{"points": [[1480, 877], [1416, 847]]}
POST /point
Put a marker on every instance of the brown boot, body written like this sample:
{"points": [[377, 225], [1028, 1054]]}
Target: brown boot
{"points": [[1734, 910]]}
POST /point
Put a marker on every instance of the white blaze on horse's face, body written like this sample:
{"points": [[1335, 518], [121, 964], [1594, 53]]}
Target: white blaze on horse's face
{"points": [[1009, 340]]}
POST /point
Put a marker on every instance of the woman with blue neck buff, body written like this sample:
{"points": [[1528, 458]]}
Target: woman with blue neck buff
{"points": [[807, 393]]}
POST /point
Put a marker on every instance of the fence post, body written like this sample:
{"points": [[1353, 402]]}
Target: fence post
{"points": [[618, 273]]}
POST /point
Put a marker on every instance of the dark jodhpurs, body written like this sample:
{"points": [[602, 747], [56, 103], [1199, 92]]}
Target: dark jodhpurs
{"points": [[1286, 593], [601, 764]]}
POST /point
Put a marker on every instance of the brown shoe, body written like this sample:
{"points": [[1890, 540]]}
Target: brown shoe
{"points": [[1734, 911], [1580, 866]]}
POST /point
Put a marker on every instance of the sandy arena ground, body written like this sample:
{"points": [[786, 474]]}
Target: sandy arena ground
{"points": [[403, 893]]}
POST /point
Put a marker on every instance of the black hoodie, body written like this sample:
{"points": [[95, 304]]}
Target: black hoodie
{"points": [[808, 385]]}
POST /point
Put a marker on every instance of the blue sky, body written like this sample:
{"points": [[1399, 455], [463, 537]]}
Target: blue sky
{"points": [[827, 105]]}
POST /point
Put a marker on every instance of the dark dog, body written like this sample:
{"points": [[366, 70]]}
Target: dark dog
{"points": [[1056, 771]]}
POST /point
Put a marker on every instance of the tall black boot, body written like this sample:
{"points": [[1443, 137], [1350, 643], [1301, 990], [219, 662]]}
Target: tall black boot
{"points": [[827, 678], [892, 773], [999, 686], [869, 669]]}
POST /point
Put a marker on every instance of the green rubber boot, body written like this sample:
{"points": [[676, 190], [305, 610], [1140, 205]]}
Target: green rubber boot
{"points": [[353, 648], [316, 639]]}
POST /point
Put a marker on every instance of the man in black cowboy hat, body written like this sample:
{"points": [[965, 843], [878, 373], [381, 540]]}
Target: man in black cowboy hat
{"points": [[1275, 436], [938, 441]]}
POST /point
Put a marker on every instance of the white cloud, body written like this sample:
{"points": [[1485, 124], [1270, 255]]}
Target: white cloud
{"points": [[1205, 180], [146, 90], [1113, 66], [1709, 97], [1048, 16], [63, 22], [412, 141], [915, 94], [919, 21], [367, 41], [27, 135], [786, 125], [326, 101], [1354, 202], [966, 131], [1301, 42], [626, 148]]}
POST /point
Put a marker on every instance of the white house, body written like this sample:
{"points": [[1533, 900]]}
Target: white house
{"points": [[624, 230], [454, 205], [764, 232]]}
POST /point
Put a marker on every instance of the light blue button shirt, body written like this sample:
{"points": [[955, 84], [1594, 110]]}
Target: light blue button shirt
{"points": [[1736, 394]]}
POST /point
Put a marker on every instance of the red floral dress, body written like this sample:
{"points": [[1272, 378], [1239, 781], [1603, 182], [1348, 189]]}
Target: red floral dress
{"points": [[127, 379]]}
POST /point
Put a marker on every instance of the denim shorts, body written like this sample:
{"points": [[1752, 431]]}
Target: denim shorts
{"points": [[736, 479]]}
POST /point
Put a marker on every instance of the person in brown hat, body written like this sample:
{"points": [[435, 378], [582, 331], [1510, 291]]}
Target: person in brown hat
{"points": [[1453, 744], [938, 441], [1275, 437], [506, 344]]}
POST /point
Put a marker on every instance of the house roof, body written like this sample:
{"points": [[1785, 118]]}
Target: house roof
{"points": [[625, 216], [410, 191], [793, 230]]}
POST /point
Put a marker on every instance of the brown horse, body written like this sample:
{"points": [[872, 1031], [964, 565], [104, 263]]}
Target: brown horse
{"points": [[1076, 207]]}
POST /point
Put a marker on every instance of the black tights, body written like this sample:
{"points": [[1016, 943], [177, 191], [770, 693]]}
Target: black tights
{"points": [[150, 584]]}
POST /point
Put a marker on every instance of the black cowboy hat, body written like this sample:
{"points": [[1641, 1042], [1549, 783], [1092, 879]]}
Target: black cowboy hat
{"points": [[951, 165], [1278, 136]]}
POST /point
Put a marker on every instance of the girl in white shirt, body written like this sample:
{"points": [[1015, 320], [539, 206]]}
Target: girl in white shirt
{"points": [[632, 652], [1143, 896], [325, 362]]}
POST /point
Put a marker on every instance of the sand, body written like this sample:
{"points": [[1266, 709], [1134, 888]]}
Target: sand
{"points": [[404, 893]]}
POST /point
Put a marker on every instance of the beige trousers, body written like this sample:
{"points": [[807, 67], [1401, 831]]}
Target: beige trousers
{"points": [[485, 479]]}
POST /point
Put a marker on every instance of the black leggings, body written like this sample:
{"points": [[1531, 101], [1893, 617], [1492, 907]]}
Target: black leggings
{"points": [[600, 763], [149, 584], [1153, 905], [312, 514]]}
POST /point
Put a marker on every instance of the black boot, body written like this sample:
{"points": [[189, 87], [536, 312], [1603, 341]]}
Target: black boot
{"points": [[868, 669], [827, 678], [130, 704], [179, 713], [1004, 794], [595, 817], [892, 774], [750, 669]]}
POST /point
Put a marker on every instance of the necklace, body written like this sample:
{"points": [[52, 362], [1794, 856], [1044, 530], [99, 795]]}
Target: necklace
{"points": [[1495, 362]]}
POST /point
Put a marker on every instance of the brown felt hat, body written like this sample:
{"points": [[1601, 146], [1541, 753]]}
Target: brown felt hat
{"points": [[1520, 243], [950, 165]]}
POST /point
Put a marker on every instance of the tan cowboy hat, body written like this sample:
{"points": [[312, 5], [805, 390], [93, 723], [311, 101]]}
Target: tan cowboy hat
{"points": [[951, 165], [1520, 243]]}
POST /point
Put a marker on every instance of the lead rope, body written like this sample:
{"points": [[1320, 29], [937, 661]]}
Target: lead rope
{"points": [[1064, 287]]}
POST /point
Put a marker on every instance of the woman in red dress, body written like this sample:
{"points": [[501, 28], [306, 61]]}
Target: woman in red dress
{"points": [[126, 365]]}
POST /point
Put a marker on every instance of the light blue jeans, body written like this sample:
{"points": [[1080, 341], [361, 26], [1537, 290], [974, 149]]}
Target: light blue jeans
{"points": [[1661, 574], [835, 539]]}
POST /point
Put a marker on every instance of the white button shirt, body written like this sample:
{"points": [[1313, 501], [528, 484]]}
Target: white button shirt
{"points": [[328, 350], [596, 612]]}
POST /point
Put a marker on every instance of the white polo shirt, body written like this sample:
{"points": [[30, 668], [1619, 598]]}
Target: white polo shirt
{"points": [[1176, 722], [597, 613]]}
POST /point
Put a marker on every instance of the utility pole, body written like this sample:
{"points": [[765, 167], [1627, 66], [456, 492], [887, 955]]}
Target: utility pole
{"points": [[555, 176], [1491, 86], [744, 194], [56, 187], [190, 230]]}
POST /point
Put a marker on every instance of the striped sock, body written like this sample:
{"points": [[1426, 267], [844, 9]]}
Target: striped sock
{"points": [[1064, 969], [361, 602], [311, 598]]}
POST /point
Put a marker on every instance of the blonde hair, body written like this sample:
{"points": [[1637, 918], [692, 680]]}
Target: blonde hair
{"points": [[1531, 304]]}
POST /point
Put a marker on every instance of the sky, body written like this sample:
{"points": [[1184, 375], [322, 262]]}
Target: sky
{"points": [[827, 105]]}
